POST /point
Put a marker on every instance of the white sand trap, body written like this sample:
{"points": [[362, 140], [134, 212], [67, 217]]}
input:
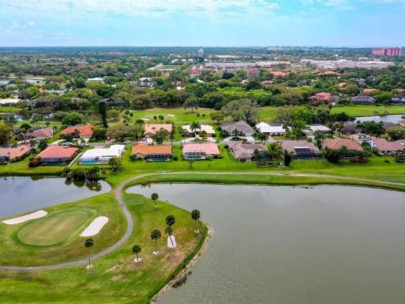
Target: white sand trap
{"points": [[95, 226], [171, 115], [22, 219], [145, 119], [171, 242]]}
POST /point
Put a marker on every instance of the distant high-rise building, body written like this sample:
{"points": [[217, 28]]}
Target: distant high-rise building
{"points": [[201, 52], [387, 51]]}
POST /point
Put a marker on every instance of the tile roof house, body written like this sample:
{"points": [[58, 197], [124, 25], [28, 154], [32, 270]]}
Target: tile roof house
{"points": [[369, 91], [209, 130], [363, 99], [39, 134], [245, 152], [200, 151], [388, 147], [280, 74], [301, 149], [15, 154], [84, 131], [398, 99], [152, 153], [310, 131], [338, 143], [195, 73], [273, 130], [238, 128], [151, 129], [57, 154], [323, 96]]}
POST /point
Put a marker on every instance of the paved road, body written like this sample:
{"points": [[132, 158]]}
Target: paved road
{"points": [[118, 195]]}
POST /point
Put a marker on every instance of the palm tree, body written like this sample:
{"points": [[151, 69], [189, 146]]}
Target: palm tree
{"points": [[262, 137], [155, 235], [155, 197], [170, 220], [169, 231], [195, 215], [195, 125], [88, 243], [137, 249]]}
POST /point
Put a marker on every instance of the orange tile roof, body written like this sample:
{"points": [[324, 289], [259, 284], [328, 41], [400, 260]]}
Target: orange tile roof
{"points": [[85, 131], [16, 153], [280, 74], [153, 128], [337, 143], [385, 145], [58, 152], [145, 149]]}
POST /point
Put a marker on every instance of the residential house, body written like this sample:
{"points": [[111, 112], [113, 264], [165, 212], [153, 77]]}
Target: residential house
{"points": [[152, 153], [349, 127], [14, 154], [151, 129], [388, 147], [398, 100], [85, 132], [300, 149], [207, 129], [240, 128], [370, 91], [245, 152], [352, 147], [101, 156], [363, 99], [310, 131], [195, 73], [194, 151], [273, 130], [280, 74], [39, 134], [252, 73], [57, 154], [323, 97]]}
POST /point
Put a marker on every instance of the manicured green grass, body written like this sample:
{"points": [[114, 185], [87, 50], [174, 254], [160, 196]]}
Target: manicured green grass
{"points": [[21, 168], [114, 278], [176, 115], [9, 109], [55, 229], [56, 238], [369, 110]]}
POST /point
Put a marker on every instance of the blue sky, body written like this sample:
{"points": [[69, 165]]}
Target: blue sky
{"points": [[353, 23]]}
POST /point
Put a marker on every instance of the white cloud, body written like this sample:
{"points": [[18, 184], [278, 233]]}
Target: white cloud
{"points": [[131, 8], [335, 4]]}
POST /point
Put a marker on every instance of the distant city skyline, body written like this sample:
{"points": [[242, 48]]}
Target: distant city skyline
{"points": [[233, 23]]}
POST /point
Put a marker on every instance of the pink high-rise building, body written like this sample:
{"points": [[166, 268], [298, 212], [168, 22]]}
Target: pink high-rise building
{"points": [[387, 51]]}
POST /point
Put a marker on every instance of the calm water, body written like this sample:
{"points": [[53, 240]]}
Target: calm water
{"points": [[386, 118], [24, 194], [327, 244]]}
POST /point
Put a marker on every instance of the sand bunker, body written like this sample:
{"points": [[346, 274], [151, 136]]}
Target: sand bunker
{"points": [[22, 219], [95, 226], [171, 242]]}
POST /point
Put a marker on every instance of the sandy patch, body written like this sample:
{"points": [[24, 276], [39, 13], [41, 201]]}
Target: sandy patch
{"points": [[28, 217], [145, 119], [171, 115], [95, 226], [171, 242]]}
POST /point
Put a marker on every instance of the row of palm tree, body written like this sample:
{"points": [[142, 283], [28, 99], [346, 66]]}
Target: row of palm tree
{"points": [[155, 234]]}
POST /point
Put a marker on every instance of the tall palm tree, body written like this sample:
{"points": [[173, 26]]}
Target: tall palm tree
{"points": [[155, 235], [195, 215], [170, 220], [137, 249], [155, 197], [88, 243], [195, 125], [169, 231]]}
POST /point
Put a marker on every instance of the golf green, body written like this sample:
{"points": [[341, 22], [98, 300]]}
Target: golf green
{"points": [[56, 228]]}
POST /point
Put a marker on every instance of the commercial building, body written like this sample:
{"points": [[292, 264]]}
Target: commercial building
{"points": [[387, 51]]}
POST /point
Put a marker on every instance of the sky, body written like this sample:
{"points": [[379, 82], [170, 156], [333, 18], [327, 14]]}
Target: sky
{"points": [[333, 23]]}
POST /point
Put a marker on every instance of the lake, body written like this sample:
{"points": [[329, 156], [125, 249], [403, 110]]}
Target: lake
{"points": [[387, 118], [24, 194], [323, 244]]}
